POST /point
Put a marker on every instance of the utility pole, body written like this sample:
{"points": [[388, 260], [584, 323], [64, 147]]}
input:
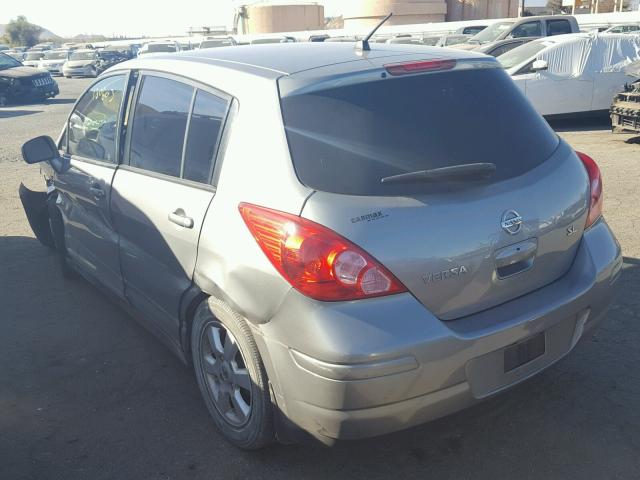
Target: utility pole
{"points": [[521, 8]]}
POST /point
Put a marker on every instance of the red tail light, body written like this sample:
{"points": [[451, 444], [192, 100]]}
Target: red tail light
{"points": [[595, 185], [315, 260], [406, 68]]}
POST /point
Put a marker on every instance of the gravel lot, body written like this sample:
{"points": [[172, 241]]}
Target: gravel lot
{"points": [[85, 393]]}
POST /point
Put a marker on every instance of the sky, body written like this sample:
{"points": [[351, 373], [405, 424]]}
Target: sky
{"points": [[129, 17]]}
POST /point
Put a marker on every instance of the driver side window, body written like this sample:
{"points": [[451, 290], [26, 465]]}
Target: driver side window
{"points": [[93, 124]]}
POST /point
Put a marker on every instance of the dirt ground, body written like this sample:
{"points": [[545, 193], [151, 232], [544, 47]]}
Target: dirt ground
{"points": [[86, 393]]}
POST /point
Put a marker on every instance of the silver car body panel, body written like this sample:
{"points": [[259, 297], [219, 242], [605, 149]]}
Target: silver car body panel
{"points": [[367, 367]]}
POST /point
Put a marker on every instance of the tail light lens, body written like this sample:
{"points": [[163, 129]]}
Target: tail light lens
{"points": [[595, 185], [315, 260]]}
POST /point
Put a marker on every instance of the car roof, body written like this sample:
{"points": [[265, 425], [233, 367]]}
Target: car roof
{"points": [[290, 58]]}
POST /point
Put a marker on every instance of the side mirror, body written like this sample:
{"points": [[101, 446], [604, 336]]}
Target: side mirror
{"points": [[539, 65], [40, 149]]}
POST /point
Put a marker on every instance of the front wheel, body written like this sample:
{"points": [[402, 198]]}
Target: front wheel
{"points": [[231, 375]]}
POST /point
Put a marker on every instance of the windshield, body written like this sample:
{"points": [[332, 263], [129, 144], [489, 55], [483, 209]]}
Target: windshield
{"points": [[55, 55], [521, 54], [430, 41], [160, 47], [215, 43], [34, 56], [492, 32], [456, 39], [82, 56], [7, 62], [345, 138]]}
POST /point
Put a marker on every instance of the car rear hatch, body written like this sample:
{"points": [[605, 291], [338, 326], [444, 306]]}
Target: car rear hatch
{"points": [[459, 245]]}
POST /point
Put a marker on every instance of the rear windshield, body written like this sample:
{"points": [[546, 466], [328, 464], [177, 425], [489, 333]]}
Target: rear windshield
{"points": [[160, 47], [55, 55], [346, 139]]}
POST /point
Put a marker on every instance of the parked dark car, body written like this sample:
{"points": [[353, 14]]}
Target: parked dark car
{"points": [[496, 49], [109, 58], [20, 83]]}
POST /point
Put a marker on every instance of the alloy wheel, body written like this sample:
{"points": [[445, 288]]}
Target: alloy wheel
{"points": [[226, 374]]}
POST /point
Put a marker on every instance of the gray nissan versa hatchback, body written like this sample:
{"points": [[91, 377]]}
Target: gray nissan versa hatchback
{"points": [[342, 242]]}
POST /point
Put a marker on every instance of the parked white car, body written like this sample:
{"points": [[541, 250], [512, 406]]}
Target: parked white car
{"points": [[54, 60], [81, 63], [573, 73], [159, 47], [215, 42], [32, 58]]}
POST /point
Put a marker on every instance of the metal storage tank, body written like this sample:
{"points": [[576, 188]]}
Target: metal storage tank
{"points": [[274, 17], [367, 13]]}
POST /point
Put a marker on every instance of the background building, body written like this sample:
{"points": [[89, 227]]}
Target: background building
{"points": [[367, 13], [481, 9], [274, 17]]}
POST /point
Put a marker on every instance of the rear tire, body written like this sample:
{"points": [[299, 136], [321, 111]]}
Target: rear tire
{"points": [[231, 376]]}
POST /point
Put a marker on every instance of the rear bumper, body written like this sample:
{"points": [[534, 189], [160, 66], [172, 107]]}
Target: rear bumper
{"points": [[360, 369], [87, 71], [54, 70]]}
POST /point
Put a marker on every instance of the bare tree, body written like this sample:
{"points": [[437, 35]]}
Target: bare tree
{"points": [[20, 32]]}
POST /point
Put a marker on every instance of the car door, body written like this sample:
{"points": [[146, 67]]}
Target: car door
{"points": [[84, 190], [161, 195]]}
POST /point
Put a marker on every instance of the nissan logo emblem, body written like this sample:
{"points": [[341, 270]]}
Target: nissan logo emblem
{"points": [[511, 222]]}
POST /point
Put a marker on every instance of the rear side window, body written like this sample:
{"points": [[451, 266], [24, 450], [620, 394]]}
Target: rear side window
{"points": [[558, 27], [346, 139], [205, 129], [159, 125]]}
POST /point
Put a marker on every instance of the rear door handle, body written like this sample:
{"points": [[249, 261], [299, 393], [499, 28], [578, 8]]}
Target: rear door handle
{"points": [[180, 218]]}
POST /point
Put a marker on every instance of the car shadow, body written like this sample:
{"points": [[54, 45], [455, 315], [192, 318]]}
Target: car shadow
{"points": [[59, 101], [583, 123], [71, 351], [17, 113]]}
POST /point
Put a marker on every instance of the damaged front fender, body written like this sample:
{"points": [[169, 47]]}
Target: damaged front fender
{"points": [[36, 208]]}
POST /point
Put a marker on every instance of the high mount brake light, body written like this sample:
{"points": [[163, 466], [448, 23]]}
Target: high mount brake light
{"points": [[315, 260], [419, 66], [595, 188]]}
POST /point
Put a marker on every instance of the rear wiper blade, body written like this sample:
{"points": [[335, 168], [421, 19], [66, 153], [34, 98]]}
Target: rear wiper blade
{"points": [[455, 172]]}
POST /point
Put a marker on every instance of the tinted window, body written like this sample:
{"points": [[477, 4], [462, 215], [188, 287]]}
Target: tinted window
{"points": [[93, 123], [529, 29], [204, 132], [345, 139], [496, 52], [558, 27], [159, 125], [472, 30]]}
